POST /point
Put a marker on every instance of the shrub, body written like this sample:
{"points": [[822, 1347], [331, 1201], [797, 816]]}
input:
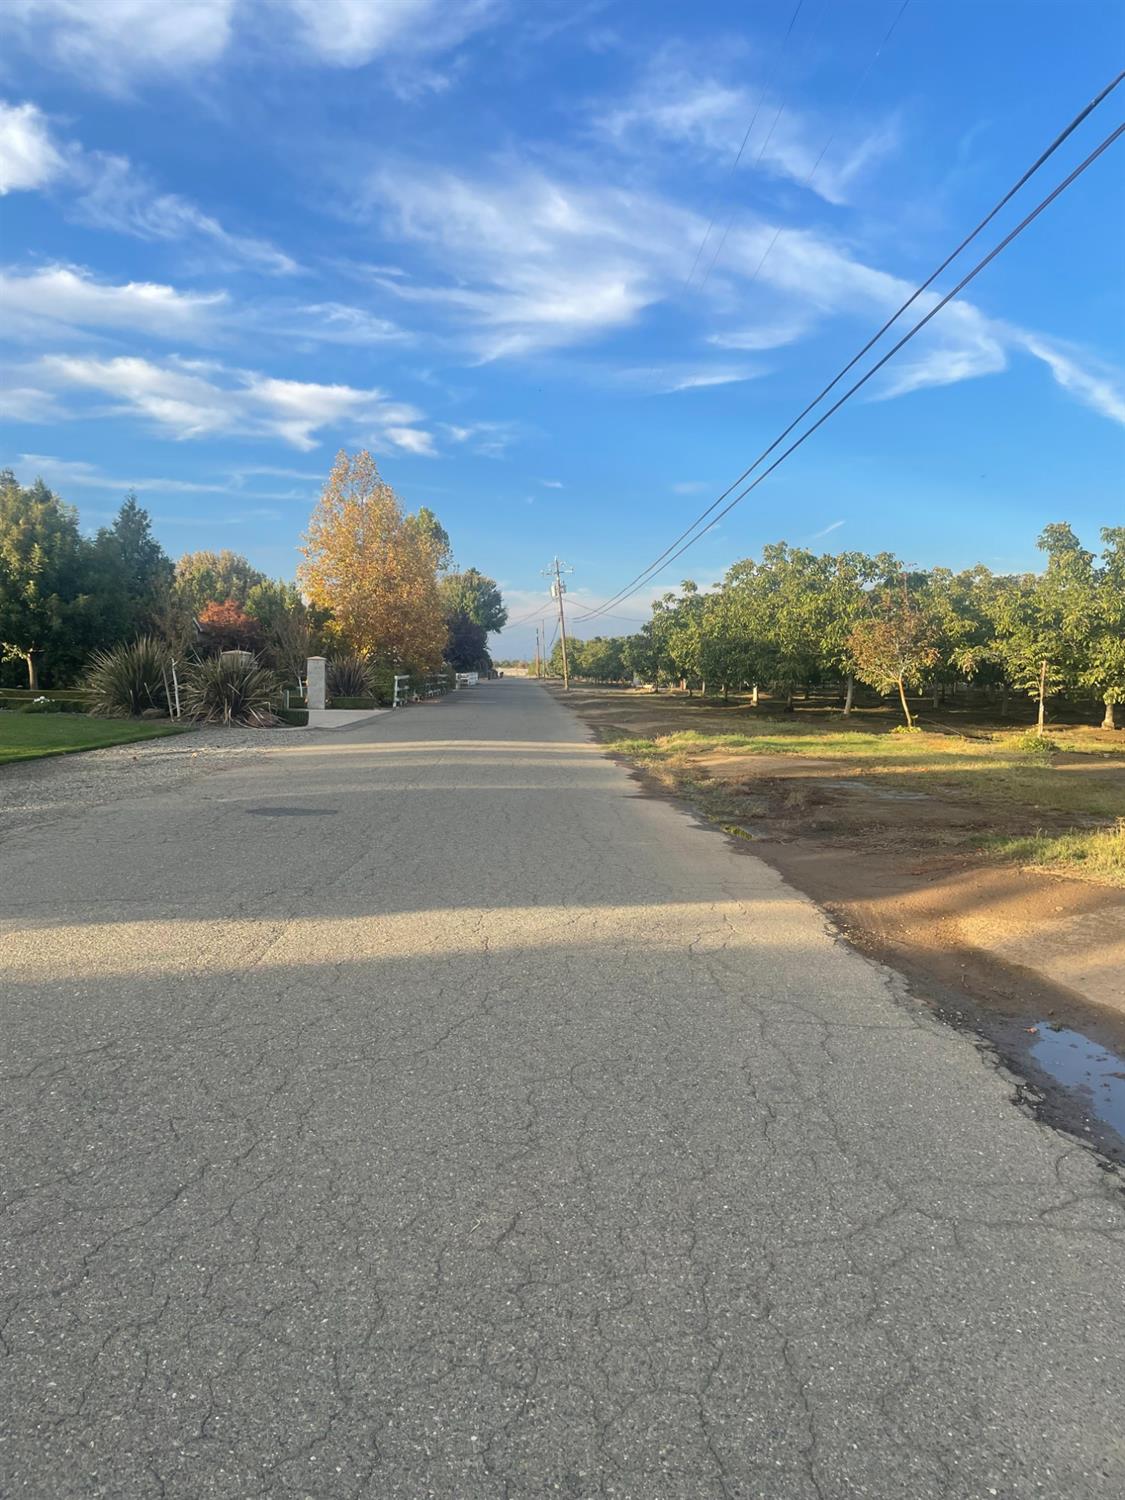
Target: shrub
{"points": [[349, 677], [296, 716], [1033, 746], [365, 702], [41, 706], [127, 679], [225, 690]]}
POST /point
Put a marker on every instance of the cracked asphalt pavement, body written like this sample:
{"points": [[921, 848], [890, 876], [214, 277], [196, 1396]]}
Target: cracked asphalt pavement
{"points": [[423, 1111]]}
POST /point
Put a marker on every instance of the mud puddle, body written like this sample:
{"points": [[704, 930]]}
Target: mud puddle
{"points": [[1094, 1074]]}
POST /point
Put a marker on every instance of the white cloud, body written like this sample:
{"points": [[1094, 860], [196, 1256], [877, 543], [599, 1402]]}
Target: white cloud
{"points": [[110, 43], [28, 403], [551, 484], [339, 323], [114, 195], [28, 157], [707, 117], [1103, 391], [769, 335], [488, 439], [412, 440], [539, 264], [695, 380], [107, 192], [107, 41], [349, 33], [827, 530], [77, 474], [688, 487], [194, 399], [55, 300], [531, 262]]}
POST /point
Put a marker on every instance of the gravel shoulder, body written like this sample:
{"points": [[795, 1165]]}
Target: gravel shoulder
{"points": [[64, 786]]}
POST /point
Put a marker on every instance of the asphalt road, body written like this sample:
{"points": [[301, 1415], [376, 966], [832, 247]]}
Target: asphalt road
{"points": [[422, 1111]]}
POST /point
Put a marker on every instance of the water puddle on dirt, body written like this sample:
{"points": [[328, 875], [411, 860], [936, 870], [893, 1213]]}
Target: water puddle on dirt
{"points": [[1092, 1072], [869, 789]]}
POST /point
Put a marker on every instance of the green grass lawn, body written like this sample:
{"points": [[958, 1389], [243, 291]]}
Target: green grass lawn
{"points": [[27, 736]]}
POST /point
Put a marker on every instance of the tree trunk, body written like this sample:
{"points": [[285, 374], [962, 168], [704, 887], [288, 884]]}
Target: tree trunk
{"points": [[905, 705], [1004, 694], [1042, 720], [789, 702], [32, 659], [724, 692], [1110, 720], [754, 696], [937, 695], [849, 695]]}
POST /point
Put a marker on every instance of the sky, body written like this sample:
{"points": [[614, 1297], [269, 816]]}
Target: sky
{"points": [[566, 268]]}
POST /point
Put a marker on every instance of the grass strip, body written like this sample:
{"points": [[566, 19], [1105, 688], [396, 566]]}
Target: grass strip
{"points": [[30, 736]]}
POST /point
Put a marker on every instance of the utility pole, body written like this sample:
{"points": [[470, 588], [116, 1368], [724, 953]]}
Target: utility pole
{"points": [[537, 650], [558, 589]]}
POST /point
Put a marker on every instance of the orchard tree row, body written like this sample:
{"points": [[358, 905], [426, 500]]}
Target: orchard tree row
{"points": [[375, 582], [794, 620]]}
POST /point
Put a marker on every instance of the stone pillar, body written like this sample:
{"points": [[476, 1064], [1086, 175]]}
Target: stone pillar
{"points": [[316, 675]]}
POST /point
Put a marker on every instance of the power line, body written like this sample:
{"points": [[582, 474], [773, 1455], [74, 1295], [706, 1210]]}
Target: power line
{"points": [[1063, 135], [890, 354], [738, 157], [757, 163], [766, 253]]}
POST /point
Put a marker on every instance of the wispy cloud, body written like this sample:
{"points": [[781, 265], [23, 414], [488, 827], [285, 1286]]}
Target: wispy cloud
{"points": [[1101, 390], [106, 42], [109, 44], [54, 301], [350, 33], [827, 530], [708, 116], [113, 194], [196, 399], [551, 484], [76, 474], [108, 192]]}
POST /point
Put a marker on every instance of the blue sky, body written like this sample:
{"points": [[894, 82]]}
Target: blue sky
{"points": [[505, 245]]}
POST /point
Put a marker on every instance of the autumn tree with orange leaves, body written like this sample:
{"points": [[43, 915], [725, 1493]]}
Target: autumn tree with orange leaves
{"points": [[373, 567]]}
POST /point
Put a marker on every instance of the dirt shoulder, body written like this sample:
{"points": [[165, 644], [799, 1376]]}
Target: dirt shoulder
{"points": [[897, 855]]}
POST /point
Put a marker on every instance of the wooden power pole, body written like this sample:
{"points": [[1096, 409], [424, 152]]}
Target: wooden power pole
{"points": [[558, 589]]}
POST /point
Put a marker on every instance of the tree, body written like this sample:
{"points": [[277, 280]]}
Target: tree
{"points": [[894, 648], [1105, 666], [1044, 622], [42, 558], [213, 577], [472, 594], [227, 627], [434, 533], [466, 649], [367, 564], [133, 572]]}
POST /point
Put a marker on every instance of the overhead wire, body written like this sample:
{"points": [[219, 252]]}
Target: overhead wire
{"points": [[917, 328], [749, 130], [767, 252], [1024, 178], [757, 163]]}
